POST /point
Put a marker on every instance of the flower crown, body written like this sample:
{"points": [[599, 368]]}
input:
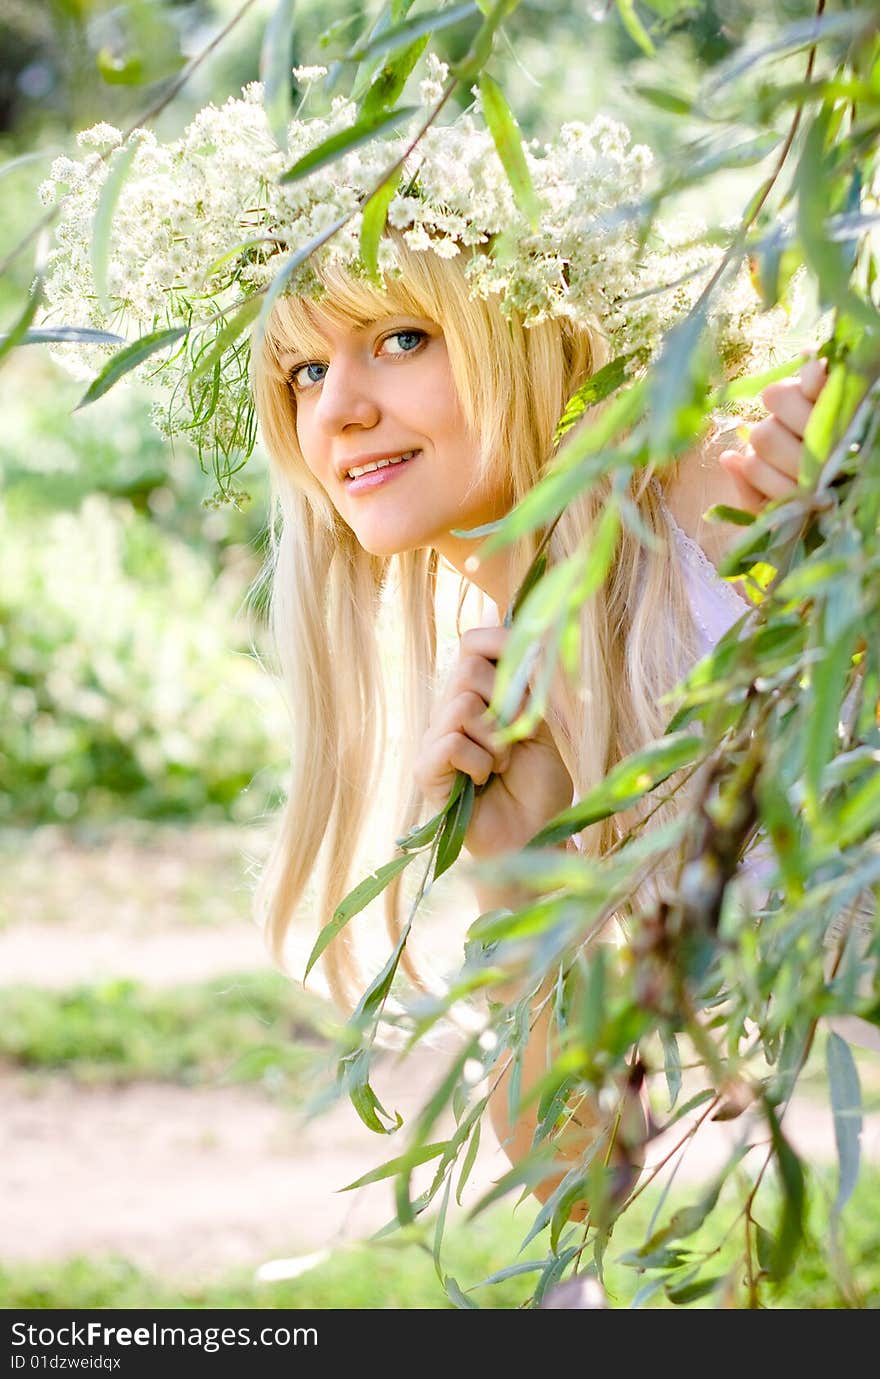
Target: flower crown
{"points": [[202, 223]]}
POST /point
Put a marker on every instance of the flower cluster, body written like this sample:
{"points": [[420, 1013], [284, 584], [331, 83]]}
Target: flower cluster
{"points": [[204, 222]]}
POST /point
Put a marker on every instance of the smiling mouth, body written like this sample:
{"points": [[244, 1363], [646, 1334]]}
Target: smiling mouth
{"points": [[358, 472]]}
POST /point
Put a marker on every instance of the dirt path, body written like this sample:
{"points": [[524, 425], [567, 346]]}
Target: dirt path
{"points": [[191, 1182]]}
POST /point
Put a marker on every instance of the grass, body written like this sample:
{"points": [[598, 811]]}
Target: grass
{"points": [[397, 1273], [247, 1028]]}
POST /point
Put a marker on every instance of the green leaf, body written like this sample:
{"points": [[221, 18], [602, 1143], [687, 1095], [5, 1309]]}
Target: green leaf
{"points": [[765, 1246], [595, 1000], [791, 1223], [439, 1229], [720, 512], [597, 387], [375, 213], [846, 1105], [478, 54], [672, 1061], [387, 85], [102, 225], [276, 70], [346, 140], [692, 1288], [355, 901], [75, 335], [439, 1099], [21, 330], [750, 385], [356, 1072], [125, 360], [801, 34], [676, 382], [379, 987], [535, 572], [828, 420], [860, 814], [457, 1297], [469, 1160], [528, 1171], [509, 145], [634, 27], [691, 1104], [419, 1155], [664, 100], [623, 786], [830, 261], [526, 1266], [556, 599], [422, 834], [403, 34], [13, 164], [226, 336], [828, 677], [455, 828], [647, 1291], [657, 1257]]}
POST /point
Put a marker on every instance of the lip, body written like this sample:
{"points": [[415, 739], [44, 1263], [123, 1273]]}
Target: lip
{"points": [[376, 477]]}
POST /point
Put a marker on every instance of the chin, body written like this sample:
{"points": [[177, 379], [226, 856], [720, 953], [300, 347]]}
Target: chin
{"points": [[388, 545]]}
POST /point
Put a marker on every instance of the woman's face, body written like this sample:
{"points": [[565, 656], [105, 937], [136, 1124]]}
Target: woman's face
{"points": [[376, 393]]}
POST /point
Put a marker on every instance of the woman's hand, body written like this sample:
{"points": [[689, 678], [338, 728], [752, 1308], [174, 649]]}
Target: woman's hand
{"points": [[768, 468], [531, 783]]}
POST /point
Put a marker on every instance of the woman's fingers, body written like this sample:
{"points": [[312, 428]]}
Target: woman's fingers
{"points": [[484, 641], [749, 498], [472, 673], [777, 447], [813, 377], [768, 468], [467, 714], [450, 753], [763, 478], [789, 403]]}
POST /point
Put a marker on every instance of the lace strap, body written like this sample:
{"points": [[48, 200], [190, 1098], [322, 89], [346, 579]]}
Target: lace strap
{"points": [[694, 555]]}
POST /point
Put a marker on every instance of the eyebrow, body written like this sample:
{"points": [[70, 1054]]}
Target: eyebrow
{"points": [[299, 356]]}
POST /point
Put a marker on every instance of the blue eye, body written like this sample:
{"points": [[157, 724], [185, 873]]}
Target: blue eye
{"points": [[303, 376], [306, 369], [415, 336]]}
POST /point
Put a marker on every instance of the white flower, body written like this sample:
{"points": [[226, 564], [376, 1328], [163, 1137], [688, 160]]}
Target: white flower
{"points": [[431, 88], [301, 75], [203, 222]]}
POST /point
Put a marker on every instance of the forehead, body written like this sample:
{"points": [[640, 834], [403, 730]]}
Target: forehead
{"points": [[315, 326]]}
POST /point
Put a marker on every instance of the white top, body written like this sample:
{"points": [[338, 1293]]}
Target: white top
{"points": [[715, 603]]}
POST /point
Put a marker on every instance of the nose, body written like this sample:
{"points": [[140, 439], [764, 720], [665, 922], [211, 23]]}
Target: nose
{"points": [[346, 398]]}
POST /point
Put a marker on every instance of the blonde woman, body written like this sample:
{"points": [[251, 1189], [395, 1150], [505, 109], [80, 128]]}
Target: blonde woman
{"points": [[398, 413], [458, 407]]}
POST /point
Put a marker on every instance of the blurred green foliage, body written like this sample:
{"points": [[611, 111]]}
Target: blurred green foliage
{"points": [[242, 1028], [124, 680], [128, 681]]}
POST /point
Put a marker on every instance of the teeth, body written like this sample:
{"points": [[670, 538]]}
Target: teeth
{"points": [[378, 464]]}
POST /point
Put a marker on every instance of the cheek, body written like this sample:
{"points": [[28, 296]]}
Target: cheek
{"points": [[309, 446]]}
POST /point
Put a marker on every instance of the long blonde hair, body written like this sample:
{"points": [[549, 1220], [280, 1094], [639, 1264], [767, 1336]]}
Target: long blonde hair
{"points": [[513, 383]]}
